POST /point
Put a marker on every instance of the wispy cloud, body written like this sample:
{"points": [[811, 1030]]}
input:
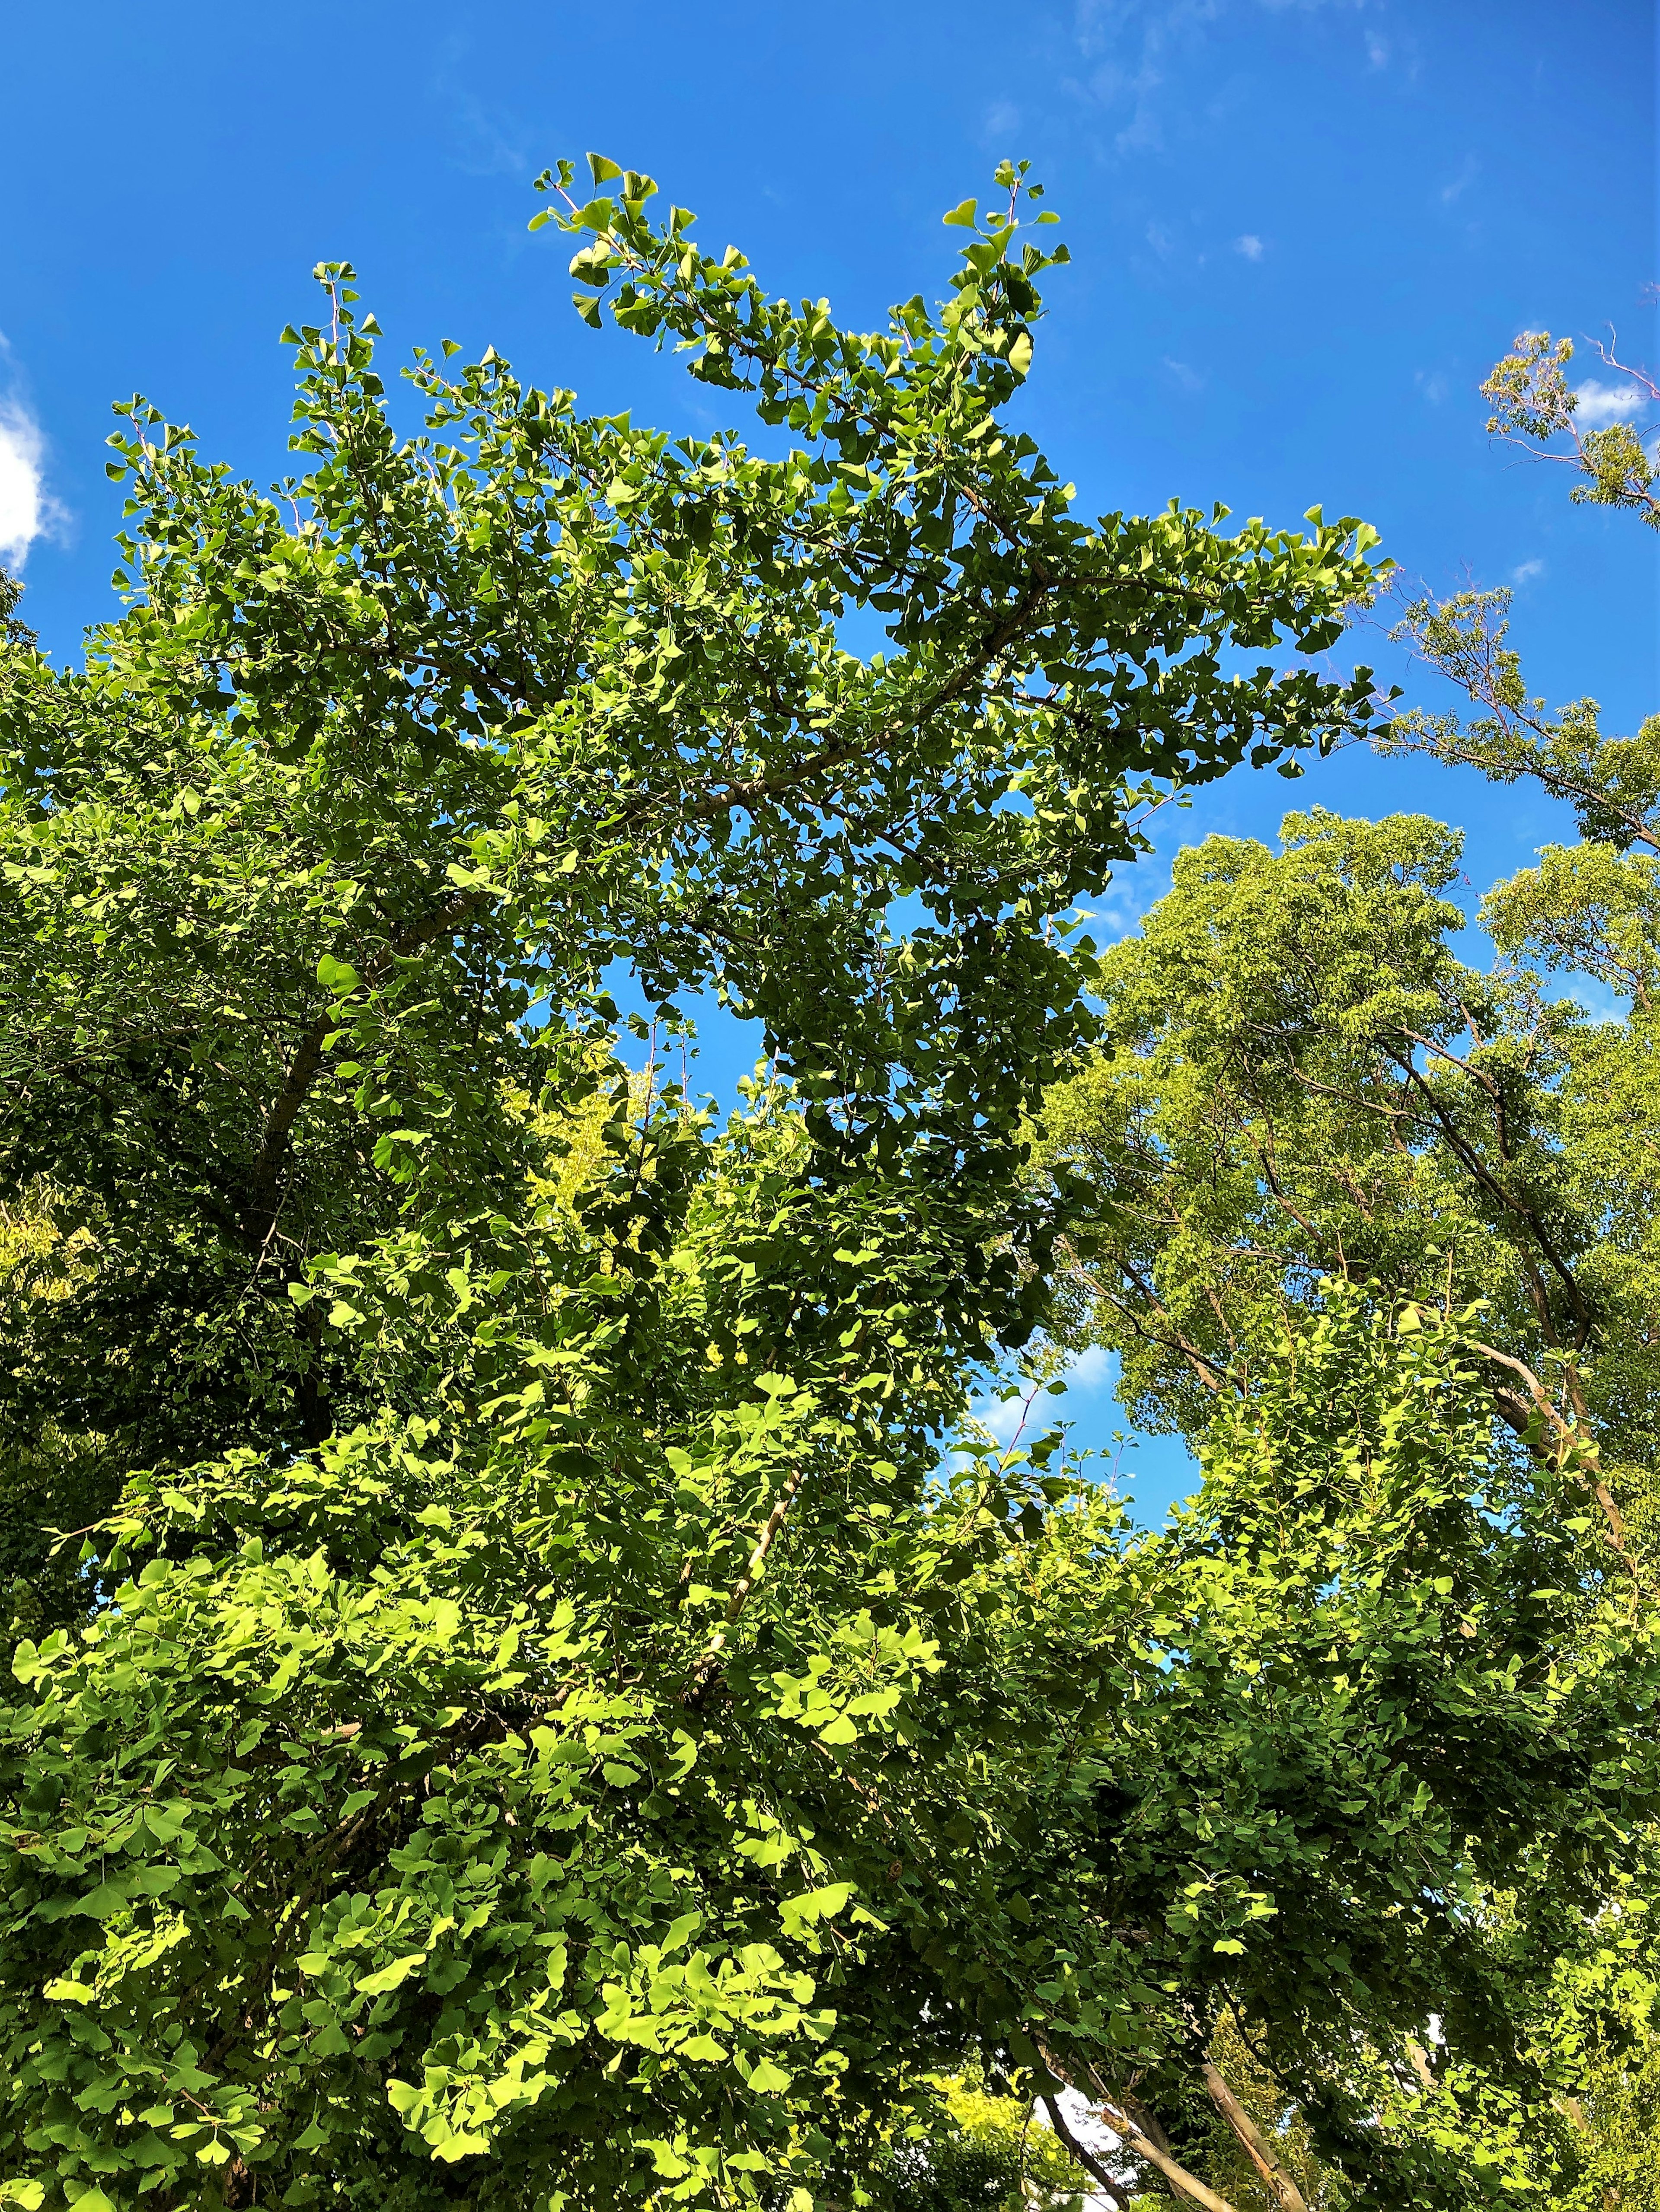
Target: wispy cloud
{"points": [[1593, 997], [1432, 383], [1133, 50], [1251, 246], [1129, 47], [1002, 121], [1188, 378], [1377, 49], [1602, 403], [486, 144], [1525, 571], [28, 509], [1455, 188]]}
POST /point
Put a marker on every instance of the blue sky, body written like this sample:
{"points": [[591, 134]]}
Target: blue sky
{"points": [[1302, 231]]}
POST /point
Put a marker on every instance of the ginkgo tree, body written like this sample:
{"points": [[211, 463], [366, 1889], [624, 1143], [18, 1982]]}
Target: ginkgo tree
{"points": [[455, 1505], [542, 1720]]}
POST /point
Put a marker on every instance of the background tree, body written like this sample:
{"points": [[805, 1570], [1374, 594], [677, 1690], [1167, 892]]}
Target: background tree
{"points": [[1309, 1098]]}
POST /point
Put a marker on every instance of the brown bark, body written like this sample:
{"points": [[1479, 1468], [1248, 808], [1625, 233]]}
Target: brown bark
{"points": [[1569, 1439], [306, 1063], [1255, 2144], [1091, 2165], [1143, 2135], [746, 1581]]}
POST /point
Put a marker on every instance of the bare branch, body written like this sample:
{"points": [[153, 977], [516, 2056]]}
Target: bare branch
{"points": [[1284, 2189], [1097, 2173]]}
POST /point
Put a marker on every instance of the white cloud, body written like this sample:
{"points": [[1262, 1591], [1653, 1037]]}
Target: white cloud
{"points": [[1432, 383], [1090, 1369], [27, 510], [486, 144], [1131, 47], [1526, 571], [1377, 50], [1188, 378], [1457, 186], [1002, 1418], [1594, 998], [1005, 1419], [1135, 53], [1251, 246], [1602, 403]]}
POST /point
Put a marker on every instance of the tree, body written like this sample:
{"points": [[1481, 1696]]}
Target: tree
{"points": [[1308, 1084], [1310, 1100], [524, 1733]]}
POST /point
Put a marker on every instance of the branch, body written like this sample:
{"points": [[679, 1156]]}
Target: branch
{"points": [[1097, 2173], [1476, 1168], [1214, 1377], [1262, 2157], [843, 751], [1572, 1440], [307, 1061], [746, 1581], [1121, 2117]]}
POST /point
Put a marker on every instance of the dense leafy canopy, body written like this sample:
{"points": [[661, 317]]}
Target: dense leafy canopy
{"points": [[540, 1716], [1309, 1097]]}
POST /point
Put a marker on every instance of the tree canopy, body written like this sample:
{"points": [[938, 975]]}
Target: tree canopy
{"points": [[1307, 1098], [550, 1707]]}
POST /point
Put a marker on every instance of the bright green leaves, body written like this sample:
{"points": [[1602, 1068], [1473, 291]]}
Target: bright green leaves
{"points": [[1534, 405], [336, 975], [965, 214], [545, 1713], [393, 1976], [814, 1905]]}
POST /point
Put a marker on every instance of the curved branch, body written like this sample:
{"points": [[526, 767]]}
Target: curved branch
{"points": [[1137, 2128], [1111, 2190], [746, 1581], [1574, 1445]]}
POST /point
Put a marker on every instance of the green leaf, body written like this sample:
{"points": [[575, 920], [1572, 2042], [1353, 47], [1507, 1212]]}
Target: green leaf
{"points": [[336, 975], [392, 1976], [813, 1905], [965, 214], [105, 1901]]}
